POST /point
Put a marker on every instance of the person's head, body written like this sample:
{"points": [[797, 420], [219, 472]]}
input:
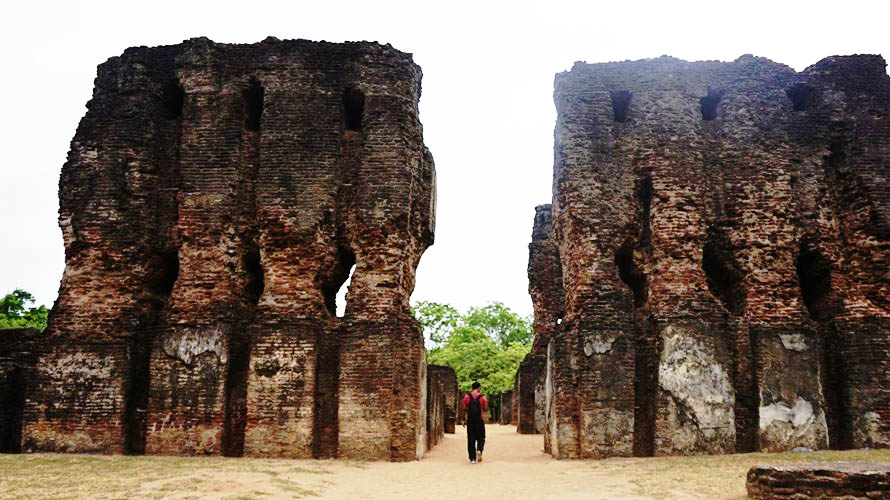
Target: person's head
{"points": [[476, 386]]}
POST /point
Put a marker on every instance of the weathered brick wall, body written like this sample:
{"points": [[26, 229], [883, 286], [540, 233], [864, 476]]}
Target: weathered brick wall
{"points": [[847, 480], [214, 200], [722, 230], [448, 378], [546, 289]]}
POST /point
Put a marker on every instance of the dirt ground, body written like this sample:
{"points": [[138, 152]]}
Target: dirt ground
{"points": [[514, 467]]}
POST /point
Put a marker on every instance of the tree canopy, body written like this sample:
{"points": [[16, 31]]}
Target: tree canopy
{"points": [[486, 344], [14, 312]]}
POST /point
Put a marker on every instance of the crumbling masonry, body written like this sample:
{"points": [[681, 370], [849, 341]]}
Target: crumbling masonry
{"points": [[721, 235], [214, 201]]}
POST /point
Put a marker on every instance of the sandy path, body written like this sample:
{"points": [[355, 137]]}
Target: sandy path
{"points": [[514, 467]]}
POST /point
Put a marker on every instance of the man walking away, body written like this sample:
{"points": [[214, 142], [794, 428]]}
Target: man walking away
{"points": [[475, 405]]}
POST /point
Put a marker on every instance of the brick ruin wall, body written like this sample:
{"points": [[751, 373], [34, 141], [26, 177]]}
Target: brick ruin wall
{"points": [[448, 380], [723, 234], [214, 200], [546, 290]]}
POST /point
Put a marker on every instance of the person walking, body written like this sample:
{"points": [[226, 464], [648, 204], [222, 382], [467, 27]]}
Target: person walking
{"points": [[475, 405]]}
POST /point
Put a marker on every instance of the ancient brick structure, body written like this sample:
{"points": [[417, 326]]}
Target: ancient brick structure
{"points": [[723, 233], [448, 379], [214, 200], [846, 480]]}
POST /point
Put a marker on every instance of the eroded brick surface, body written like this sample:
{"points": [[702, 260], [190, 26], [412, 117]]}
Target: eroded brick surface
{"points": [[723, 233], [847, 480], [214, 200]]}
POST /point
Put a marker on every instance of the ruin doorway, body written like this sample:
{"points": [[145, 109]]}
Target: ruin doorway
{"points": [[12, 405]]}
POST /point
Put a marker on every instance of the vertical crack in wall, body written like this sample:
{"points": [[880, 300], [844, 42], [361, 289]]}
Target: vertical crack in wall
{"points": [[725, 281], [814, 275], [163, 271], [162, 266], [630, 269], [251, 271]]}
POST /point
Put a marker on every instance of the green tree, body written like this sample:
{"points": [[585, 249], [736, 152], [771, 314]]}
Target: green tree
{"points": [[498, 321], [437, 321], [485, 345], [15, 314]]}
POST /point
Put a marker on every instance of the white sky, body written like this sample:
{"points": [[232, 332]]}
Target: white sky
{"points": [[487, 105]]}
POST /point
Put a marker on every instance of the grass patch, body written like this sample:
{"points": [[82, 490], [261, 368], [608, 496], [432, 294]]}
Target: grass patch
{"points": [[714, 476], [44, 476]]}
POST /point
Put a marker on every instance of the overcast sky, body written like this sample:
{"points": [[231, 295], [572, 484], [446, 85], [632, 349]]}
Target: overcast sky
{"points": [[487, 105]]}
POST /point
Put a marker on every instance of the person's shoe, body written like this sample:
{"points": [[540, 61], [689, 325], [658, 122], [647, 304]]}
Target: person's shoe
{"points": [[479, 456], [472, 461]]}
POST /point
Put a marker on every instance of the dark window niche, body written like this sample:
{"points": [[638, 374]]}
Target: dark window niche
{"points": [[630, 274], [173, 99], [353, 109], [710, 103], [723, 278], [814, 273], [255, 274], [801, 96], [254, 95], [620, 104], [341, 272]]}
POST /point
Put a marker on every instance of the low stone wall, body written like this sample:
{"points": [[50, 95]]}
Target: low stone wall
{"points": [[435, 407], [452, 396], [506, 407], [442, 403], [847, 480], [529, 390]]}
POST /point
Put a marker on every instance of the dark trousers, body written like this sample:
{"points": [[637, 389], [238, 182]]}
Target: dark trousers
{"points": [[475, 438]]}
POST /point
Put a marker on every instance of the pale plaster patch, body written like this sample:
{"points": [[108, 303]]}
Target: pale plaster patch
{"points": [[800, 414], [690, 372], [794, 342], [187, 345], [867, 431], [784, 428], [599, 343]]}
